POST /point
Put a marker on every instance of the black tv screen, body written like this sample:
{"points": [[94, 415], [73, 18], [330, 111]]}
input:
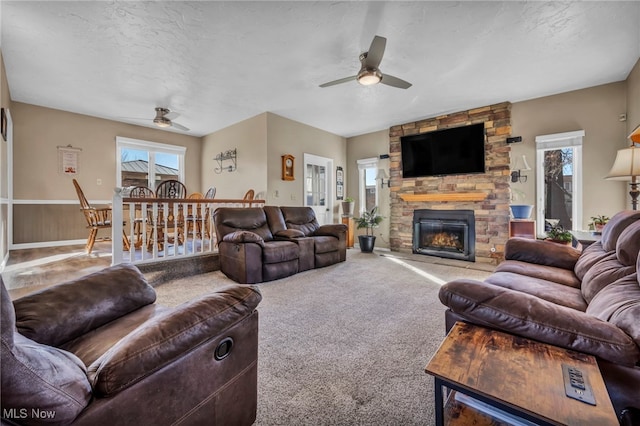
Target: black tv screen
{"points": [[455, 151]]}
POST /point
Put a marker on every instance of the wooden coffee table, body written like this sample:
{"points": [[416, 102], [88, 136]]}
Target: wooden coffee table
{"points": [[519, 376]]}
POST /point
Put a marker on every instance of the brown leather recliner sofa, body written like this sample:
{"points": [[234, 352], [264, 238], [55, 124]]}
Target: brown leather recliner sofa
{"points": [[99, 351], [268, 243], [586, 301]]}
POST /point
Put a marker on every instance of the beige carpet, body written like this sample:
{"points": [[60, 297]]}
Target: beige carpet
{"points": [[346, 344]]}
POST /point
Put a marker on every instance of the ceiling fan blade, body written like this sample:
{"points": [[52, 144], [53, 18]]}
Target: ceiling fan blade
{"points": [[172, 115], [375, 53], [342, 80], [390, 80], [179, 126]]}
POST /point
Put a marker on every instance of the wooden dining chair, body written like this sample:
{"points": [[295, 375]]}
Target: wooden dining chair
{"points": [[174, 220], [211, 193], [97, 218], [193, 219], [140, 192], [249, 196]]}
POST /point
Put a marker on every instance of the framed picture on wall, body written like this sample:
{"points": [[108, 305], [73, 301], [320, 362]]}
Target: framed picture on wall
{"points": [[339, 183], [3, 123]]}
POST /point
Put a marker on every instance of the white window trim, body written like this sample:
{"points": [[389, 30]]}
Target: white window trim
{"points": [[139, 144], [365, 163], [557, 141]]}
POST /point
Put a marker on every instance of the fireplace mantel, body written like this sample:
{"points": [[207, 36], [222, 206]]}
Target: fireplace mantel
{"points": [[452, 196]]}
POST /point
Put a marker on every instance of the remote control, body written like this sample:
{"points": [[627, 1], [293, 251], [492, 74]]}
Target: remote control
{"points": [[576, 385]]}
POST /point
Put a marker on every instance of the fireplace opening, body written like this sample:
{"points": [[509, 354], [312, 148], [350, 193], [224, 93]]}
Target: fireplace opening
{"points": [[444, 233]]}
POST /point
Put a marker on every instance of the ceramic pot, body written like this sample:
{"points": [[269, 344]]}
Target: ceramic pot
{"points": [[367, 242]]}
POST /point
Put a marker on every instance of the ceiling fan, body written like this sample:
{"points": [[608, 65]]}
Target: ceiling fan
{"points": [[164, 118], [369, 73]]}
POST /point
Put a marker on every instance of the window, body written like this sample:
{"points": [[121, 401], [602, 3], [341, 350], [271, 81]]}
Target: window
{"points": [[559, 180], [143, 163], [367, 188]]}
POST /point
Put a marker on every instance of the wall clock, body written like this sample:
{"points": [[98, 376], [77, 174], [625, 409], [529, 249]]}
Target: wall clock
{"points": [[287, 167]]}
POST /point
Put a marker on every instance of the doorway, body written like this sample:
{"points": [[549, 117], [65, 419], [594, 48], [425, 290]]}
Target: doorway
{"points": [[317, 187], [559, 180]]}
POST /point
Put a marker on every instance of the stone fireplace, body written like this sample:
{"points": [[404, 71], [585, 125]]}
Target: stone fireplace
{"points": [[445, 233], [486, 195]]}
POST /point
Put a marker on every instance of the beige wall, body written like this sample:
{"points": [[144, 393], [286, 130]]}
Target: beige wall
{"points": [[633, 98], [38, 131], [368, 146], [40, 191], [286, 136], [249, 138], [595, 110]]}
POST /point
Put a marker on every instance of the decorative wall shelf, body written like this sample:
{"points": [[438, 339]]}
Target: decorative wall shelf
{"points": [[230, 155], [456, 196]]}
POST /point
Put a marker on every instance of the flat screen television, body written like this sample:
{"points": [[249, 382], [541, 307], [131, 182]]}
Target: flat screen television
{"points": [[459, 150]]}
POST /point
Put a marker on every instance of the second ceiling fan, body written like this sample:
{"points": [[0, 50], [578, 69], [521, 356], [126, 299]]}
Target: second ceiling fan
{"points": [[369, 73]]}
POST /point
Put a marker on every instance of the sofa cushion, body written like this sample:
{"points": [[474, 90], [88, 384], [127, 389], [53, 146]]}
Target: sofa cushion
{"points": [[231, 219], [544, 289], [38, 377], [541, 252], [619, 304], [549, 273], [290, 233], [63, 312], [243, 237], [530, 316], [300, 218], [280, 251], [628, 245], [603, 273], [591, 255], [618, 223], [325, 244], [168, 337]]}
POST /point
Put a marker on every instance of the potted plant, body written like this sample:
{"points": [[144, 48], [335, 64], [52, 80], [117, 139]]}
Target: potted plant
{"points": [[598, 222], [347, 207], [368, 220], [558, 234]]}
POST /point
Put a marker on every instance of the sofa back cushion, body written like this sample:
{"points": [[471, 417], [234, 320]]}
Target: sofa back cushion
{"points": [[58, 314], [618, 223], [301, 218], [38, 378], [619, 304], [613, 265], [232, 219]]}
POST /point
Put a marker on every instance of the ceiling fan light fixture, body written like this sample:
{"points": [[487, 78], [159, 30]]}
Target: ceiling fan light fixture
{"points": [[162, 122], [368, 77]]}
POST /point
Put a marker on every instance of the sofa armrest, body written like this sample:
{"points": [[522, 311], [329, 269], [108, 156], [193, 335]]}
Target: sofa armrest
{"points": [[57, 314], [541, 252], [338, 230], [529, 316], [165, 339], [243, 237], [289, 234]]}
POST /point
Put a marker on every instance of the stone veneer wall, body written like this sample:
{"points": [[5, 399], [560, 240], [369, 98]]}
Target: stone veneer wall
{"points": [[457, 191]]}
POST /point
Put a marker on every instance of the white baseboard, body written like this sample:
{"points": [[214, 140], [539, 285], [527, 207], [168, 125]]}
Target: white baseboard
{"points": [[46, 244]]}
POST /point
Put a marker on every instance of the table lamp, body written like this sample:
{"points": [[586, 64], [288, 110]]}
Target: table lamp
{"points": [[627, 166]]}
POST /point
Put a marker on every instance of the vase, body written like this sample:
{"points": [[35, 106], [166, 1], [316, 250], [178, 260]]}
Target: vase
{"points": [[521, 211], [347, 208]]}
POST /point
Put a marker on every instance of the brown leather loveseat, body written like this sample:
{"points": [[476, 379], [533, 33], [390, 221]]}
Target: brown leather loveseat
{"points": [[99, 351], [268, 243], [586, 301]]}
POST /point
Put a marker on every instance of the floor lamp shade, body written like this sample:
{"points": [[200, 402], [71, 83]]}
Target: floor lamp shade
{"points": [[627, 167]]}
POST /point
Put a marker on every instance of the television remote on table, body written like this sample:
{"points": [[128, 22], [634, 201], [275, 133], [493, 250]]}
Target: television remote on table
{"points": [[576, 385]]}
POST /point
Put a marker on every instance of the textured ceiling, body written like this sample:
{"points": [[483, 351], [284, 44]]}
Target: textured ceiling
{"points": [[217, 63]]}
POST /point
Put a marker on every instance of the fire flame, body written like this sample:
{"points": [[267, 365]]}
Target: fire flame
{"points": [[445, 240]]}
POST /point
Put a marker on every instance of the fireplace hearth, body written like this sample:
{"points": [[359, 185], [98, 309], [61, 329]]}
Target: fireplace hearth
{"points": [[445, 233]]}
